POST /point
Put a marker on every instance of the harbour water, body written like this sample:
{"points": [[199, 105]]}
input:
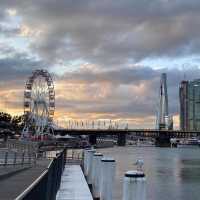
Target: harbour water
{"points": [[171, 173]]}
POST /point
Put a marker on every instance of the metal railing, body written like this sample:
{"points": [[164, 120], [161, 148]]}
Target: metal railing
{"points": [[74, 154], [8, 158], [46, 186], [22, 146], [71, 154]]}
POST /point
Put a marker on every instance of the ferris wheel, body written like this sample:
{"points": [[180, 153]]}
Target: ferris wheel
{"points": [[39, 103]]}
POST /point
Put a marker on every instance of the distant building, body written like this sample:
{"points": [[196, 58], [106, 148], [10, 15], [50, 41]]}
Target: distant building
{"points": [[183, 97], [164, 121], [189, 94]]}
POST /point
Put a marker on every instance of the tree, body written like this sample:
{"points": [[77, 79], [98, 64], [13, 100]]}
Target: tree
{"points": [[18, 122], [15, 123], [5, 117]]}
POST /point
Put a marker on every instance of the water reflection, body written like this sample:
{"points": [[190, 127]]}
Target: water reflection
{"points": [[171, 173]]}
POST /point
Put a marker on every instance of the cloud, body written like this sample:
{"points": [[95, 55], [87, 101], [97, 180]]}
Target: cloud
{"points": [[8, 31], [15, 65], [110, 33], [106, 39], [116, 76], [128, 91], [127, 94]]}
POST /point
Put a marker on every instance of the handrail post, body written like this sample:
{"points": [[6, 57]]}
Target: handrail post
{"points": [[65, 154], [35, 158], [29, 158], [6, 158], [15, 158], [23, 154]]}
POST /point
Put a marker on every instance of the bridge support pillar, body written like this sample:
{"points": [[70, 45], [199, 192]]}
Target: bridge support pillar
{"points": [[163, 140], [121, 140], [93, 139]]}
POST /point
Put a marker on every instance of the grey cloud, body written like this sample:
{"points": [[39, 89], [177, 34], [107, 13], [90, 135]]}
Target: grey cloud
{"points": [[111, 33], [16, 65], [9, 31], [116, 76], [131, 75], [121, 100]]}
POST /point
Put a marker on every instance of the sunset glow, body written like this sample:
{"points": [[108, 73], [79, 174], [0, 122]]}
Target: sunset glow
{"points": [[105, 64]]}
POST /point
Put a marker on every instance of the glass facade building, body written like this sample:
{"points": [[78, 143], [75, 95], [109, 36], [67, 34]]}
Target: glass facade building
{"points": [[189, 94]]}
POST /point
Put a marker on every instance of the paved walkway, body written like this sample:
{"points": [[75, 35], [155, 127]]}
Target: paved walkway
{"points": [[73, 185], [11, 187]]}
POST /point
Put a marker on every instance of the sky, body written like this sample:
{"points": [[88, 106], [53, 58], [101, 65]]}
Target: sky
{"points": [[105, 57]]}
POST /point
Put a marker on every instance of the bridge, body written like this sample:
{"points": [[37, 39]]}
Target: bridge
{"points": [[162, 137]]}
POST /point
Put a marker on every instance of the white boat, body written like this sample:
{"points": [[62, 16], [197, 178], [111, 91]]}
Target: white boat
{"points": [[189, 143]]}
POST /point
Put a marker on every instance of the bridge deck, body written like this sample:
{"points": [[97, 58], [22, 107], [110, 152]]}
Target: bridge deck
{"points": [[136, 132], [73, 185]]}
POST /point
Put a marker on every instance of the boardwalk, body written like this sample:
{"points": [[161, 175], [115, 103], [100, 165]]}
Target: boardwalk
{"points": [[73, 185], [14, 185]]}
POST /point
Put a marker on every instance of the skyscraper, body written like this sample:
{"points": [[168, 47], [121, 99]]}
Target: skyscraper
{"points": [[164, 121], [189, 94], [183, 96]]}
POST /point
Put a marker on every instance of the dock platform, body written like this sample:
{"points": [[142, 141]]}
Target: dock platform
{"points": [[73, 185]]}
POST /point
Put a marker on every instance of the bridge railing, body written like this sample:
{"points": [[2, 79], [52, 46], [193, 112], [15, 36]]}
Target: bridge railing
{"points": [[46, 186]]}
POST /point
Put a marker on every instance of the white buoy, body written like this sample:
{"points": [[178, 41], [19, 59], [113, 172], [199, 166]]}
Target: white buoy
{"points": [[134, 186], [90, 164], [96, 175], [108, 166]]}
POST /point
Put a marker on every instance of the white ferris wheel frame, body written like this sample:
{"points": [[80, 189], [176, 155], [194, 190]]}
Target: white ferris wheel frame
{"points": [[39, 102]]}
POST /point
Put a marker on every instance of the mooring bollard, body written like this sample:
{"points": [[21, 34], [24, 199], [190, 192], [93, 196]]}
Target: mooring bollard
{"points": [[90, 165], [96, 175], [108, 166], [85, 161], [134, 186]]}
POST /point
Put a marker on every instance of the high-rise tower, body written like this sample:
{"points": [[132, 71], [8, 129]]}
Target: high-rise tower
{"points": [[163, 114], [184, 105], [189, 94]]}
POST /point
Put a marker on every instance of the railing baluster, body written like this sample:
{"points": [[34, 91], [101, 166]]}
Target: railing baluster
{"points": [[23, 154], [29, 158], [15, 158], [6, 158], [35, 158]]}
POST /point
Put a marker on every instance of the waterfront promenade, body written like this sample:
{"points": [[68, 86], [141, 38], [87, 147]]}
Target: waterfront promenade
{"points": [[19, 168], [40, 179], [14, 185]]}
